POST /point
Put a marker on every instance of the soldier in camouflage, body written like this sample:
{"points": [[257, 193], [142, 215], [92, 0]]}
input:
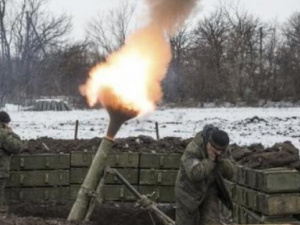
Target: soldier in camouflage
{"points": [[10, 143], [197, 188]]}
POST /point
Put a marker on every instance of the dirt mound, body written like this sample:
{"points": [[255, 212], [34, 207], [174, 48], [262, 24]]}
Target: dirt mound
{"points": [[256, 156], [133, 144]]}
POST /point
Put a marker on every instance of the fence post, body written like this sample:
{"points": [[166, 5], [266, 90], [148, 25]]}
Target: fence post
{"points": [[76, 129], [157, 130]]}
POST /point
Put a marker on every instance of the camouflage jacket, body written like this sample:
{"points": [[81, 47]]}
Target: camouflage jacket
{"points": [[195, 176], [10, 143]]}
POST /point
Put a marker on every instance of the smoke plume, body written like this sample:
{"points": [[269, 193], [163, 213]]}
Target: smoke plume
{"points": [[170, 14]]}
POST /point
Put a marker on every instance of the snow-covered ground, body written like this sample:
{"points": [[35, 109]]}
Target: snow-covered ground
{"points": [[245, 125]]}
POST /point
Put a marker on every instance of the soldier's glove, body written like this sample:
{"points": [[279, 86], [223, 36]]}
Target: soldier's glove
{"points": [[225, 168], [209, 165]]}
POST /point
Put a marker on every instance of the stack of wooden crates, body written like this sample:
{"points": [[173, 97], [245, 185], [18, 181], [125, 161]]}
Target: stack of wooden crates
{"points": [[58, 177], [259, 196], [265, 196]]}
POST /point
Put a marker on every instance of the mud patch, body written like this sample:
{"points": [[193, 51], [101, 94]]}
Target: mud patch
{"points": [[105, 214]]}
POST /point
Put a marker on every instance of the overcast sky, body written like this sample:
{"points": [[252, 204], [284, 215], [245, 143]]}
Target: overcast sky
{"points": [[83, 10]]}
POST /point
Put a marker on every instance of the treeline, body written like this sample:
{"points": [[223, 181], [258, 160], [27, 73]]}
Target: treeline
{"points": [[229, 55]]}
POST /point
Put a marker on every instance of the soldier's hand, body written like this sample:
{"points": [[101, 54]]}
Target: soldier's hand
{"points": [[7, 129], [225, 168]]}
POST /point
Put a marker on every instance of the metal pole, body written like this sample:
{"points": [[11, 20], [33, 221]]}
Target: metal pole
{"points": [[97, 198], [150, 204]]}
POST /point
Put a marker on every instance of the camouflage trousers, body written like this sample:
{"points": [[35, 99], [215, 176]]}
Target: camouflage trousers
{"points": [[208, 212], [3, 207], [2, 189]]}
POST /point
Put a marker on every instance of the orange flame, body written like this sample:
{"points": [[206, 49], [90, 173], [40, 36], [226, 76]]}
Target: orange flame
{"points": [[130, 79]]}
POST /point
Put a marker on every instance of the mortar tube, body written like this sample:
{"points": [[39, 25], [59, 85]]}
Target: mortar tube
{"points": [[96, 170], [117, 118], [91, 181]]}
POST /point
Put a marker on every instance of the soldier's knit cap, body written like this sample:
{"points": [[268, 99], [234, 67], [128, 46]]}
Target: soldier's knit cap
{"points": [[4, 117], [219, 139]]}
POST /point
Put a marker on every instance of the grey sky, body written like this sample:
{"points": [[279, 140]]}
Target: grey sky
{"points": [[83, 10]]}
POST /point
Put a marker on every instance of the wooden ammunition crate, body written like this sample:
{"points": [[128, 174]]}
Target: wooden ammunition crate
{"points": [[77, 175], [230, 186], [40, 162], [159, 193], [157, 177], [36, 195], [275, 180], [159, 161], [110, 193], [39, 178], [268, 204], [118, 160], [241, 215]]}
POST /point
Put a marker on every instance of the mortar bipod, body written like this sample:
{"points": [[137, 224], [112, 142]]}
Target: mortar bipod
{"points": [[143, 200]]}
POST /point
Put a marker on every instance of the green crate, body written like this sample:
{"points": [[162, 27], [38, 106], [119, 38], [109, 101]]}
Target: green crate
{"points": [[246, 216], [40, 161], [77, 175], [275, 180], [268, 204], [38, 178], [163, 194], [120, 159], [110, 193], [230, 186], [157, 177], [33, 195], [162, 161]]}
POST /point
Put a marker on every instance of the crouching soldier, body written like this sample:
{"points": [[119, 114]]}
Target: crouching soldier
{"points": [[10, 143], [199, 184]]}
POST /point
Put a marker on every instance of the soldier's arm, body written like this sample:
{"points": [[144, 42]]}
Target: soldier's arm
{"points": [[225, 167], [10, 142], [195, 168]]}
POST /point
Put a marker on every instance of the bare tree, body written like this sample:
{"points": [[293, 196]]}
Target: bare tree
{"points": [[109, 31], [290, 57], [273, 43], [6, 66], [208, 53], [174, 85], [28, 35], [244, 53]]}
